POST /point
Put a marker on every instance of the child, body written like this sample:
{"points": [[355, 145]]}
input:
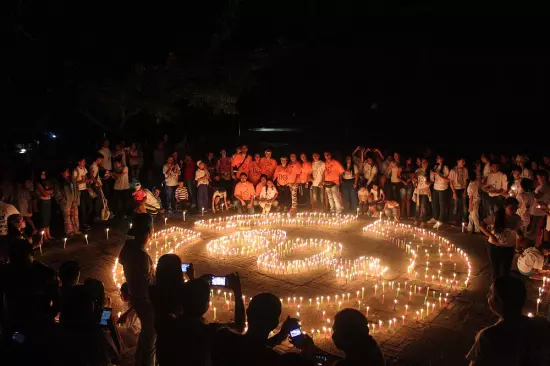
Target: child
{"points": [[363, 197], [268, 196], [156, 194], [182, 197], [376, 199], [532, 261], [392, 210], [219, 201], [473, 206]]}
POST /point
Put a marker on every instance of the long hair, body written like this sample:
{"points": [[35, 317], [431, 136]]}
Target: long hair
{"points": [[500, 215]]}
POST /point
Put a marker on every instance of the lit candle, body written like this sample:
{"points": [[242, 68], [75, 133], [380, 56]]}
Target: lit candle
{"points": [[368, 307], [362, 292], [165, 220], [203, 211], [86, 238], [403, 317], [214, 313], [107, 233], [538, 303], [64, 243], [406, 309]]}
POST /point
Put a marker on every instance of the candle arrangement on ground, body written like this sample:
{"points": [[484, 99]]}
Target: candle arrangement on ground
{"points": [[313, 219], [164, 241], [245, 243]]}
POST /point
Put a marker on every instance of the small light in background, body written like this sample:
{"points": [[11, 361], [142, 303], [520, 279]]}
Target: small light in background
{"points": [[22, 151]]}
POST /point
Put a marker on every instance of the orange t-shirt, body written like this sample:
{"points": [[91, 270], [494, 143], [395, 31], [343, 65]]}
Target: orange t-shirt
{"points": [[333, 169], [243, 162], [267, 167], [244, 190], [305, 175], [254, 172], [282, 175], [259, 187], [296, 170]]}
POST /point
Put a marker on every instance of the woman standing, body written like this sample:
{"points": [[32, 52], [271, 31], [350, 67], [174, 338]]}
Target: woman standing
{"points": [[406, 189], [45, 191], [503, 229], [68, 202], [422, 194], [202, 177], [349, 184]]}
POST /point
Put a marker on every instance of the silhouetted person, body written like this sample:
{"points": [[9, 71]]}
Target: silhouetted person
{"points": [[138, 270], [514, 339], [69, 274]]}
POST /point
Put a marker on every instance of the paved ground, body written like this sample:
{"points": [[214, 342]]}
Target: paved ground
{"points": [[442, 338]]}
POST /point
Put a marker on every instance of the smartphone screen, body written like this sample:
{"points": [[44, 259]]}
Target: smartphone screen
{"points": [[184, 267], [105, 316], [296, 335], [218, 281]]}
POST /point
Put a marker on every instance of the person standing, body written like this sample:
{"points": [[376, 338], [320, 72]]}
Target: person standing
{"points": [[80, 185], [121, 189], [281, 176], [503, 229], [189, 177], [202, 177], [294, 181], [317, 182], [422, 194], [542, 197], [244, 195], [526, 200], [485, 199], [97, 186], [407, 188], [439, 176], [333, 176], [254, 171], [515, 187], [474, 199], [458, 181], [44, 189], [370, 171], [350, 180], [138, 271], [267, 164], [6, 210], [496, 186], [394, 170], [107, 156], [68, 203], [223, 168], [171, 172], [305, 181], [241, 162]]}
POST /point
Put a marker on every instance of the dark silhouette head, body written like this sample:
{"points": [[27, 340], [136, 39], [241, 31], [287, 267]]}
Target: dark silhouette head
{"points": [[69, 273], [507, 297], [351, 328], [169, 273], [196, 297], [263, 313], [20, 252]]}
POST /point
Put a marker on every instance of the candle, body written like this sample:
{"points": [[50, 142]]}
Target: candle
{"points": [[165, 220], [184, 213], [406, 309], [403, 317], [214, 313], [368, 307], [107, 233], [538, 303], [463, 227], [362, 292], [64, 243], [394, 304], [410, 295], [86, 238], [203, 211]]}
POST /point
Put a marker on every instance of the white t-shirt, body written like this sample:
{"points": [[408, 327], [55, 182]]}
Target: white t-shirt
{"points": [[106, 164], [423, 187], [497, 181], [530, 259], [317, 172], [268, 194], [80, 174], [94, 172], [394, 170], [526, 202], [201, 176], [171, 174], [369, 172], [473, 190], [348, 174], [458, 177], [122, 182], [440, 184], [543, 194], [5, 211], [507, 237]]}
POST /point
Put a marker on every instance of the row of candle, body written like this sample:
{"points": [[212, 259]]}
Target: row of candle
{"points": [[245, 243], [315, 219]]}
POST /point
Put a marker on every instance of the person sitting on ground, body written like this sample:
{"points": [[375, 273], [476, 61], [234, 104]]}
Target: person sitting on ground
{"points": [[182, 197], [219, 201], [268, 197], [146, 201], [254, 347], [128, 322], [363, 199], [533, 261], [514, 339], [17, 229], [244, 195], [156, 194], [392, 210], [376, 200], [69, 274], [85, 341]]}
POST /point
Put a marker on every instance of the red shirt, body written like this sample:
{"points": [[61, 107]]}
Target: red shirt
{"points": [[189, 170], [224, 165]]}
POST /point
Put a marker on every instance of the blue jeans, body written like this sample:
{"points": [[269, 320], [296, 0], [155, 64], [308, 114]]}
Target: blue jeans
{"points": [[422, 207], [440, 204], [334, 198], [192, 190], [460, 206], [202, 196], [241, 207], [170, 193], [349, 195]]}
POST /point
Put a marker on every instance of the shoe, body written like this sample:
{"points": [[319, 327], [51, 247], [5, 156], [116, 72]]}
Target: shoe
{"points": [[431, 221], [438, 225]]}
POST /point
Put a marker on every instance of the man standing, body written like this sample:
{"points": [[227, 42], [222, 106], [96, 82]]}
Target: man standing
{"points": [[485, 199], [244, 195], [293, 181], [138, 271], [305, 180], [241, 162], [458, 181], [439, 175], [121, 189], [80, 184], [106, 165], [189, 178], [268, 165], [171, 172], [97, 185], [317, 182], [281, 176], [333, 176], [495, 186], [254, 171], [223, 168]]}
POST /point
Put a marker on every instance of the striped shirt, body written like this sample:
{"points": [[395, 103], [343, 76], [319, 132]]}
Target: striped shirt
{"points": [[181, 194]]}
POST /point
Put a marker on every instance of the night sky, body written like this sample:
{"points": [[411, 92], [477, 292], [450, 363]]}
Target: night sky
{"points": [[352, 72]]}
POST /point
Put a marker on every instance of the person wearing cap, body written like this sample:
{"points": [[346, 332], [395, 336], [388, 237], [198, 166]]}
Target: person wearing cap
{"points": [[202, 178], [138, 271]]}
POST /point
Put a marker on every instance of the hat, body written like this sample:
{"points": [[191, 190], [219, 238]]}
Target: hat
{"points": [[199, 163]]}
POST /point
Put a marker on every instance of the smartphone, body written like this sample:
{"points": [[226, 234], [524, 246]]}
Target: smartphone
{"points": [[105, 316], [184, 267], [18, 337], [218, 281], [296, 335]]}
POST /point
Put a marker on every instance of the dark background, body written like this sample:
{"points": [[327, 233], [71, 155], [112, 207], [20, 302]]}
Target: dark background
{"points": [[399, 74]]}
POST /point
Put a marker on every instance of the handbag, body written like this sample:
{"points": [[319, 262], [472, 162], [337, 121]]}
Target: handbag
{"points": [[105, 211]]}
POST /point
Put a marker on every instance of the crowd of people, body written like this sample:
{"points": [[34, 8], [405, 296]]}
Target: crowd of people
{"points": [[42, 308]]}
